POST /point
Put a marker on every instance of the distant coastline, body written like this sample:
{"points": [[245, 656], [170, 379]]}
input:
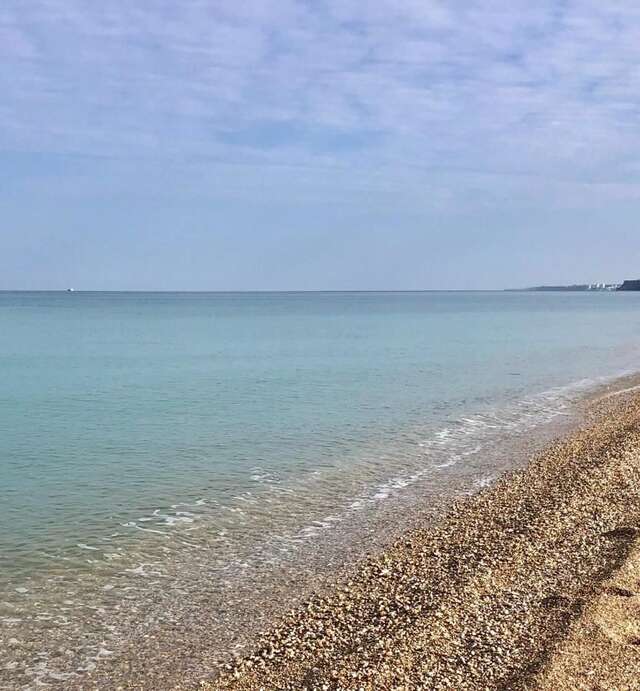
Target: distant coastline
{"points": [[630, 285], [627, 285], [578, 287]]}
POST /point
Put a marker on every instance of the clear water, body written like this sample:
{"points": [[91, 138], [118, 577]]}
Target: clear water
{"points": [[138, 428]]}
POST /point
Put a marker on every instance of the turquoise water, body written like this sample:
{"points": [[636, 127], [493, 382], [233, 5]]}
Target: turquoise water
{"points": [[115, 404], [136, 428]]}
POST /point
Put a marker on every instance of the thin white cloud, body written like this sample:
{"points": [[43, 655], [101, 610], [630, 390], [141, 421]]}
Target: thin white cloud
{"points": [[544, 88]]}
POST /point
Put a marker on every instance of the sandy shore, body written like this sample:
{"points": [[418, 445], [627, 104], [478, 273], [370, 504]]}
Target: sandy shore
{"points": [[530, 584]]}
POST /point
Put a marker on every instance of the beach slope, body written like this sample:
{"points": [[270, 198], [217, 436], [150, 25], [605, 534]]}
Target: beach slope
{"points": [[511, 590]]}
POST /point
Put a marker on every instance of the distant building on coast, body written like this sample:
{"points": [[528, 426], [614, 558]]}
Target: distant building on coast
{"points": [[580, 287], [603, 286]]}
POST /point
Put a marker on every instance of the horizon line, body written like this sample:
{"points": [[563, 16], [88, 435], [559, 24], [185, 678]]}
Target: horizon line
{"points": [[567, 288], [260, 290]]}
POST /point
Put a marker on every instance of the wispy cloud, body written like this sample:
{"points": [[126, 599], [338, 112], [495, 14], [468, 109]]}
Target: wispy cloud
{"points": [[531, 88]]}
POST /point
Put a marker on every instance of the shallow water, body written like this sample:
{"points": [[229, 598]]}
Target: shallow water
{"points": [[155, 443]]}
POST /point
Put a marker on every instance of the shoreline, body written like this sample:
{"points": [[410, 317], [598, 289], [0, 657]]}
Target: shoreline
{"points": [[216, 626], [483, 598], [215, 631]]}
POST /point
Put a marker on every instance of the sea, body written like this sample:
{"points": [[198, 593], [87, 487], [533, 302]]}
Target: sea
{"points": [[165, 454]]}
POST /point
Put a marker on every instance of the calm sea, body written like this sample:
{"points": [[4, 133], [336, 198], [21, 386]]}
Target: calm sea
{"points": [[138, 430]]}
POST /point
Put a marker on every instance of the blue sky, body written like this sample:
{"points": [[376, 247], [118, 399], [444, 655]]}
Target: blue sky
{"points": [[334, 144]]}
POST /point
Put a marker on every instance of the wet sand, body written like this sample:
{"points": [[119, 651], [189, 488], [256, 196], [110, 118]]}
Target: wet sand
{"points": [[529, 584]]}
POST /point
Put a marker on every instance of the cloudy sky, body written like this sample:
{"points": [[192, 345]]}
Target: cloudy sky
{"points": [[309, 144]]}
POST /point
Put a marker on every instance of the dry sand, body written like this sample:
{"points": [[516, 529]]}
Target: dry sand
{"points": [[530, 584], [602, 650]]}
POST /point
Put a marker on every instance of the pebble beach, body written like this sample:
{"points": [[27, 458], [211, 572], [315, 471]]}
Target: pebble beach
{"points": [[507, 591]]}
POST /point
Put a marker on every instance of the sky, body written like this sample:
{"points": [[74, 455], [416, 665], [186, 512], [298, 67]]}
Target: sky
{"points": [[318, 144]]}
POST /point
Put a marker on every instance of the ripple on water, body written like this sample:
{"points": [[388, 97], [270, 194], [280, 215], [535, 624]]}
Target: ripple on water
{"points": [[67, 620]]}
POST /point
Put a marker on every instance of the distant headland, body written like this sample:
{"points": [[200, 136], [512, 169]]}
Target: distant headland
{"points": [[584, 287], [630, 285]]}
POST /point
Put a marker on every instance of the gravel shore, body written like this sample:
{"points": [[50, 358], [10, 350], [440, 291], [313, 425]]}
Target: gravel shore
{"points": [[488, 597]]}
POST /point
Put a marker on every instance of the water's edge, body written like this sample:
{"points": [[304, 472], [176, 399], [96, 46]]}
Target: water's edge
{"points": [[187, 609]]}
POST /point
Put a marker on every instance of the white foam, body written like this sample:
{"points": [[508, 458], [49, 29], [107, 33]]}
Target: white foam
{"points": [[173, 520], [620, 392], [470, 434], [142, 571]]}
